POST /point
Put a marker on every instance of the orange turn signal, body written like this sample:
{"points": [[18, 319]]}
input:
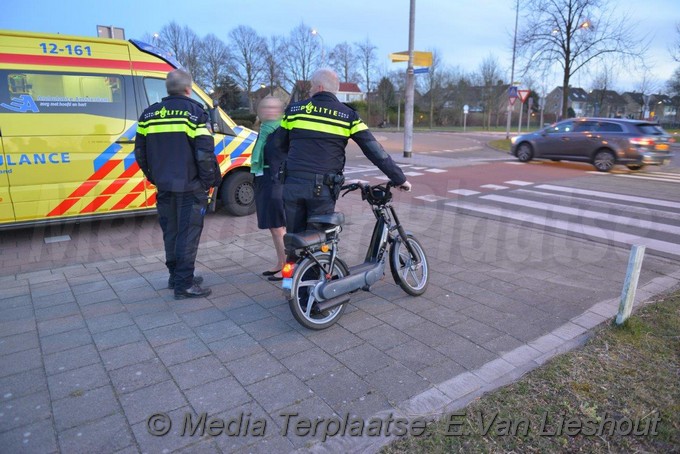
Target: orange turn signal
{"points": [[325, 248], [287, 270]]}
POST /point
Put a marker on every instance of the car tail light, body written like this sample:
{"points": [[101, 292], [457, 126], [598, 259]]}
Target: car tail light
{"points": [[642, 141], [287, 271]]}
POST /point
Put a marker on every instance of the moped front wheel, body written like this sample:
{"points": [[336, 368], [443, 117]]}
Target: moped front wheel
{"points": [[302, 303], [410, 273]]}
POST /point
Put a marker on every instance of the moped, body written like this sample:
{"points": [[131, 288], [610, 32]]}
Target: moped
{"points": [[318, 283]]}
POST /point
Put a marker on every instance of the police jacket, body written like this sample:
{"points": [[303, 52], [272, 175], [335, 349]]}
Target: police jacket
{"points": [[174, 147], [318, 131]]}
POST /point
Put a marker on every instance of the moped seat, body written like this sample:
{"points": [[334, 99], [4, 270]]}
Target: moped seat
{"points": [[303, 239], [333, 219]]}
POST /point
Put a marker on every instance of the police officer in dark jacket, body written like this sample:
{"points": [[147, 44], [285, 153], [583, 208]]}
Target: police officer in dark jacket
{"points": [[174, 148], [318, 131]]}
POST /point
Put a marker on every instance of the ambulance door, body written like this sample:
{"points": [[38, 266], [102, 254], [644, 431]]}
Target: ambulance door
{"points": [[69, 135], [6, 210]]}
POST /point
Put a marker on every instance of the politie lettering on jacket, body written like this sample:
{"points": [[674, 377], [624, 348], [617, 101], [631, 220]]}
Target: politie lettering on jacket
{"points": [[309, 108], [163, 112], [11, 160]]}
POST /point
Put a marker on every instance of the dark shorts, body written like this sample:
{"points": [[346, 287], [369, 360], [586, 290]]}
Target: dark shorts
{"points": [[269, 202]]}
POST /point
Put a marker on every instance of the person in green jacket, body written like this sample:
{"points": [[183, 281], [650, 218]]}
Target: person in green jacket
{"points": [[266, 161]]}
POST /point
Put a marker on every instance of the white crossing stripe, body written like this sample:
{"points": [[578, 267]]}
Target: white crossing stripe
{"points": [[666, 174], [571, 227], [418, 168], [463, 192], [593, 203], [588, 214], [495, 187], [430, 198], [649, 177], [435, 170], [519, 183], [413, 174], [515, 163], [609, 195]]}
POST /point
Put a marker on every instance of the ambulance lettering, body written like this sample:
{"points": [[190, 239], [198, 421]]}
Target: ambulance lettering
{"points": [[23, 103], [35, 158]]}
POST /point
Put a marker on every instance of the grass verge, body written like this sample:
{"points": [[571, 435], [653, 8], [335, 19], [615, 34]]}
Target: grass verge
{"points": [[500, 144], [625, 380]]}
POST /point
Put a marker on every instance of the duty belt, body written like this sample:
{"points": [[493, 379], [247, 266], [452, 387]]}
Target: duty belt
{"points": [[304, 175]]}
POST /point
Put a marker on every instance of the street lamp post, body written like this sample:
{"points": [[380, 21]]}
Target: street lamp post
{"points": [[315, 32], [512, 72], [410, 85]]}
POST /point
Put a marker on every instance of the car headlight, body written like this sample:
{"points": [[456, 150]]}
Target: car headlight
{"points": [[513, 139]]}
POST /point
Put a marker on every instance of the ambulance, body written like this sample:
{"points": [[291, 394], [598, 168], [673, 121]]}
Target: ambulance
{"points": [[68, 117]]}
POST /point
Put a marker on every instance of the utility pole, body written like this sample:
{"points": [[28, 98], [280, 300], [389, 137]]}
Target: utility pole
{"points": [[512, 73], [408, 108]]}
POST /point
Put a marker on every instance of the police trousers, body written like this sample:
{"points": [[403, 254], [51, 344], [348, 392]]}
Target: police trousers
{"points": [[302, 200], [181, 215]]}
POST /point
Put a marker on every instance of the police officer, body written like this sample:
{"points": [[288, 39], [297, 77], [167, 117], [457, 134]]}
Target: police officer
{"points": [[318, 131], [174, 148]]}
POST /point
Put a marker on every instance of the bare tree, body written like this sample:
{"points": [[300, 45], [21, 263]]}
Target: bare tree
{"points": [[573, 34], [601, 84], [367, 57], [434, 84], [273, 61], [490, 74], [216, 59], [675, 48], [673, 84], [249, 65], [303, 50], [186, 46], [344, 61]]}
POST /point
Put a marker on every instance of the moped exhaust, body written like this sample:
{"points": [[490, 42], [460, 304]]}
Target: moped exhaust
{"points": [[331, 303]]}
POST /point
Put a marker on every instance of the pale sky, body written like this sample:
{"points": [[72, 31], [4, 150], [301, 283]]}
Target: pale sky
{"points": [[463, 31]]}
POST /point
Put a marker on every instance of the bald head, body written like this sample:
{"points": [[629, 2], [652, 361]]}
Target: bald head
{"points": [[324, 80]]}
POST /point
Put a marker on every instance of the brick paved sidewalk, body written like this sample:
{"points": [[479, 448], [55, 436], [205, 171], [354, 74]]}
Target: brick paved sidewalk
{"points": [[93, 345]]}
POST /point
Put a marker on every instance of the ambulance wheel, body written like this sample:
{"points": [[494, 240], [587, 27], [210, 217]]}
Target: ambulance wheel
{"points": [[237, 194]]}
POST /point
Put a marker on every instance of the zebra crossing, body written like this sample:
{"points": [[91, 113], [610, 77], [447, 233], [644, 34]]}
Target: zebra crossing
{"points": [[600, 215]]}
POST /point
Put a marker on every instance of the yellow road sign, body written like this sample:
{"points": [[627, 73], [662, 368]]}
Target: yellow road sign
{"points": [[419, 58]]}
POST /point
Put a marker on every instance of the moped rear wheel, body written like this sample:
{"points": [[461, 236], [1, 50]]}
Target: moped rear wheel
{"points": [[410, 273], [302, 303]]}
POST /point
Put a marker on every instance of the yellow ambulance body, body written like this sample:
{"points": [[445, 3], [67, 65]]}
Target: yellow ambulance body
{"points": [[68, 116]]}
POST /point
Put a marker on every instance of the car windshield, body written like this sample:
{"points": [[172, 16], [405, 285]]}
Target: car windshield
{"points": [[651, 130]]}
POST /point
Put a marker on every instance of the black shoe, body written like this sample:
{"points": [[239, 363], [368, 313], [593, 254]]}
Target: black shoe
{"points": [[198, 280], [270, 273], [192, 292], [275, 278]]}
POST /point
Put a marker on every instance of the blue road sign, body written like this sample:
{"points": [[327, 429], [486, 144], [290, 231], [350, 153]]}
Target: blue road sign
{"points": [[421, 70]]}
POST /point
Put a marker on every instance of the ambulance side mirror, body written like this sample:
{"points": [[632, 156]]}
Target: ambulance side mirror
{"points": [[218, 123]]}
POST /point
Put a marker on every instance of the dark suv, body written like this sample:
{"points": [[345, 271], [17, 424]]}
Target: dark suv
{"points": [[604, 142]]}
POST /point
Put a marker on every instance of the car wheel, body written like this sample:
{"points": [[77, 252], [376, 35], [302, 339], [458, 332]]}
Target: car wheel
{"points": [[604, 160], [635, 166], [237, 194], [524, 152]]}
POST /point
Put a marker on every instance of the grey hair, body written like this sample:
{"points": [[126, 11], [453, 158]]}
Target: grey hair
{"points": [[177, 82], [326, 78]]}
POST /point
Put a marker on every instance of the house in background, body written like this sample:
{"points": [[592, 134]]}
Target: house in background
{"points": [[348, 92], [605, 103], [276, 91], [577, 100], [662, 109], [635, 105]]}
